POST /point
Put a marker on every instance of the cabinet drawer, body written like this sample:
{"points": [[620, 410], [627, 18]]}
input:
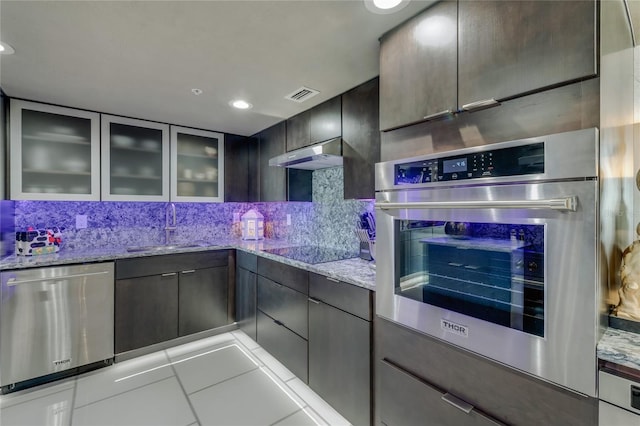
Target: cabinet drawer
{"points": [[349, 298], [287, 306], [153, 265], [514, 396], [247, 261], [407, 400], [295, 278], [286, 346], [618, 391]]}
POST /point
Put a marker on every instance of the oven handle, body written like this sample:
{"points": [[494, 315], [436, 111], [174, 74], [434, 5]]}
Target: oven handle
{"points": [[560, 204]]}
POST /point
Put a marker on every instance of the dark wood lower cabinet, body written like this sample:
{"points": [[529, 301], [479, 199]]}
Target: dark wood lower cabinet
{"points": [[246, 282], [414, 371], [411, 401], [282, 314], [160, 298], [339, 361], [285, 345], [284, 304], [202, 299], [146, 311]]}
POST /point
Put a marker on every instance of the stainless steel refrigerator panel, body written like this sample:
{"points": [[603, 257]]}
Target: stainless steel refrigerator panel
{"points": [[54, 319]]}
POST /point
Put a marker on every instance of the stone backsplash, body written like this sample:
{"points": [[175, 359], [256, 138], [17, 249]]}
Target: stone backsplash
{"points": [[327, 221], [134, 223], [335, 218]]}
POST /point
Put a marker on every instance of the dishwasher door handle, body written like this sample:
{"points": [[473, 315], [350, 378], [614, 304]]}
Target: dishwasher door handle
{"points": [[13, 281]]}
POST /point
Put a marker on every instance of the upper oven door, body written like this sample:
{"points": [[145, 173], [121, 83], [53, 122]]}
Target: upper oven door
{"points": [[506, 271]]}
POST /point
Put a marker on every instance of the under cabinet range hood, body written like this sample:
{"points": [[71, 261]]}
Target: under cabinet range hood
{"points": [[319, 156]]}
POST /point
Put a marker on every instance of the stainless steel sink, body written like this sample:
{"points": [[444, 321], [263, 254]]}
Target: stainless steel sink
{"points": [[161, 247]]}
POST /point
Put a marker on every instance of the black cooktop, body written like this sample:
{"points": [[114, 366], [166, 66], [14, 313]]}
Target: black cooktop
{"points": [[312, 254]]}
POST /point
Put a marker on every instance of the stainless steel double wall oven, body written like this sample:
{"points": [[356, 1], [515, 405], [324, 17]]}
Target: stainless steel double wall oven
{"points": [[494, 249]]}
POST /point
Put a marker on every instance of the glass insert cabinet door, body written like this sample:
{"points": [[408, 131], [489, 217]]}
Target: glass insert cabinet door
{"points": [[490, 271], [197, 165], [55, 153], [135, 160]]}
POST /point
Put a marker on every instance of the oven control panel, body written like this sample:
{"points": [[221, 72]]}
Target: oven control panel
{"points": [[512, 161]]}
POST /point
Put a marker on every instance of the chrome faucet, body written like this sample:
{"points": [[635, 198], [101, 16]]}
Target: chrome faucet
{"points": [[169, 221]]}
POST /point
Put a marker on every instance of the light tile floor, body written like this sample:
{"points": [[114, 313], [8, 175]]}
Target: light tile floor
{"points": [[222, 380]]}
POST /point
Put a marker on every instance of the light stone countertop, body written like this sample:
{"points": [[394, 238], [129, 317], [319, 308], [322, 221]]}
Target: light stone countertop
{"points": [[620, 347], [353, 271]]}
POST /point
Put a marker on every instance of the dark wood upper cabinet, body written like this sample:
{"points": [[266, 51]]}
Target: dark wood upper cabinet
{"points": [[318, 124], [511, 48], [279, 183], [354, 116], [298, 135], [418, 67], [273, 180], [361, 139], [455, 55], [240, 169], [325, 121]]}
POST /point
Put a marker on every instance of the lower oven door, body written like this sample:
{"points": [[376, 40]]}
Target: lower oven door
{"points": [[508, 272]]}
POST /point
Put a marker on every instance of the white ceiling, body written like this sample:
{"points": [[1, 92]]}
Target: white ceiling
{"points": [[142, 58]]}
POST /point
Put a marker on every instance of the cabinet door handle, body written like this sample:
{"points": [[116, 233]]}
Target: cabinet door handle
{"points": [[190, 271], [439, 114], [486, 103], [278, 322], [457, 402], [169, 274], [333, 280], [317, 302]]}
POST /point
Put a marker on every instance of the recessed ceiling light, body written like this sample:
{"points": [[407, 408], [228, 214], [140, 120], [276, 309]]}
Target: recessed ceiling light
{"points": [[383, 7], [196, 92], [5, 49], [240, 104], [386, 4]]}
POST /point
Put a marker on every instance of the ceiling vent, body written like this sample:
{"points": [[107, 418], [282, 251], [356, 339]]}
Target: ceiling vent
{"points": [[302, 94]]}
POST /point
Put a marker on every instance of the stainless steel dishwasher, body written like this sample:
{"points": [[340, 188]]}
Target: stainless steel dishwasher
{"points": [[54, 319]]}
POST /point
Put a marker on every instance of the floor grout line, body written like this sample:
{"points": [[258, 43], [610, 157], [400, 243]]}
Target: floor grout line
{"points": [[286, 417], [307, 402], [122, 393], [184, 391], [225, 380]]}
